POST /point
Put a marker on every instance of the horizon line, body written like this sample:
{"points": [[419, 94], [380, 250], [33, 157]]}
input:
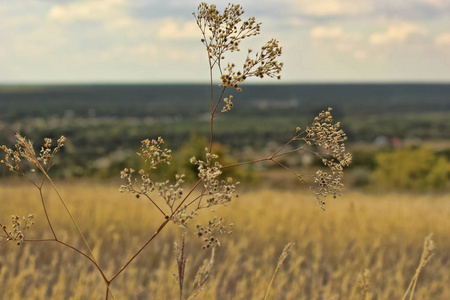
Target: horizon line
{"points": [[319, 82]]}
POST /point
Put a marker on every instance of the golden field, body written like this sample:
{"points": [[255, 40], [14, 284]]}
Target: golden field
{"points": [[383, 233]]}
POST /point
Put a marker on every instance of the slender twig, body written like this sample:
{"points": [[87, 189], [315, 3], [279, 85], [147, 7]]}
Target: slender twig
{"points": [[139, 251], [246, 163], [70, 214], [28, 178], [195, 199], [213, 112], [73, 248], [156, 205], [284, 146], [291, 171], [154, 235], [45, 211], [187, 196]]}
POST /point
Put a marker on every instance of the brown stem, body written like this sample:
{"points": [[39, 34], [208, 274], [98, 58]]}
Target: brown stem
{"points": [[155, 204], [213, 112], [290, 151], [28, 178], [139, 251], [185, 197], [153, 236], [108, 291], [246, 163], [284, 146], [292, 171], [73, 248], [46, 213], [69, 213]]}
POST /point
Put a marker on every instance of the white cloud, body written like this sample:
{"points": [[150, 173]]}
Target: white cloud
{"points": [[435, 3], [442, 40], [172, 30], [323, 8], [94, 10], [322, 32], [130, 52], [335, 38], [397, 34]]}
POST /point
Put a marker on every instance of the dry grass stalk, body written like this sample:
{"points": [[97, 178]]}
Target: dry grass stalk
{"points": [[283, 256], [364, 283], [429, 246], [202, 276], [181, 263]]}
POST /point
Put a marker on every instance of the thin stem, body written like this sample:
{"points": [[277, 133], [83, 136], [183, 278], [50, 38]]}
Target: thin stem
{"points": [[212, 101], [195, 199], [108, 292], [70, 215], [271, 282], [185, 197], [139, 251], [73, 248], [164, 214], [45, 211], [291, 171], [284, 146], [290, 151], [246, 163], [213, 112], [153, 236], [28, 178]]}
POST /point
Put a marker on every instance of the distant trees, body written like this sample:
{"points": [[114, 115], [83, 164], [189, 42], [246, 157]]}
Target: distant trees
{"points": [[418, 169]]}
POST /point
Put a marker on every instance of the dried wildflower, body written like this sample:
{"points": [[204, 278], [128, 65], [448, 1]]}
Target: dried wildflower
{"points": [[263, 64], [329, 138], [171, 193], [228, 104], [23, 149], [16, 234], [210, 232], [223, 33], [216, 191], [153, 154]]}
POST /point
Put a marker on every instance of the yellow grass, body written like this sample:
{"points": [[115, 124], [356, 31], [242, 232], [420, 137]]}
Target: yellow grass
{"points": [[383, 233]]}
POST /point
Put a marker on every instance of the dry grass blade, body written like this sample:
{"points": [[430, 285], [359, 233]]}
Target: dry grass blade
{"points": [[283, 256], [202, 276], [181, 263], [428, 251], [364, 283]]}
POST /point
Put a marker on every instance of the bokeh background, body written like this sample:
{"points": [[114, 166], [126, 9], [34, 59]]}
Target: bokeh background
{"points": [[108, 74]]}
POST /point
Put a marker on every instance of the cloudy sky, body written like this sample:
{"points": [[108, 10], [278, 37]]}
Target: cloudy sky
{"points": [[77, 41]]}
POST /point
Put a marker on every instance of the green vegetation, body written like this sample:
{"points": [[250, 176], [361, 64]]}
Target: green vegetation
{"points": [[412, 169]]}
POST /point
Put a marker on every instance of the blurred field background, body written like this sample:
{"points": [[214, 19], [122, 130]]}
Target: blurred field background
{"points": [[381, 233], [397, 192]]}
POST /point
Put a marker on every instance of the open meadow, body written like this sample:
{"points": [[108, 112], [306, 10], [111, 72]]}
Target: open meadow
{"points": [[383, 233], [197, 114]]}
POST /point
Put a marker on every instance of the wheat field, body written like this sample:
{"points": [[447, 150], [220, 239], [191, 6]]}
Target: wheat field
{"points": [[382, 233]]}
